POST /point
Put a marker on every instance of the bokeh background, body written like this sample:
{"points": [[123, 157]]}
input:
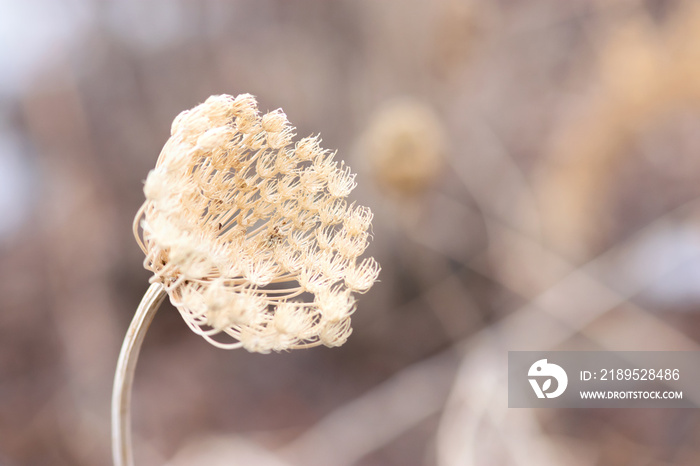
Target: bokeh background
{"points": [[534, 169]]}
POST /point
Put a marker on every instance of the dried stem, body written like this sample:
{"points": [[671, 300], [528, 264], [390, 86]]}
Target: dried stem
{"points": [[122, 452]]}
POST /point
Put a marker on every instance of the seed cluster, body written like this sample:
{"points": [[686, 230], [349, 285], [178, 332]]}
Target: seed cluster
{"points": [[250, 235]]}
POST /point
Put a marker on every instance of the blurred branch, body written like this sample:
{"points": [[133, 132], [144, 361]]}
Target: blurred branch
{"points": [[378, 417]]}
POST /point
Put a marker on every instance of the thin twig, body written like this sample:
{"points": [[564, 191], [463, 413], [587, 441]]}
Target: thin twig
{"points": [[122, 452]]}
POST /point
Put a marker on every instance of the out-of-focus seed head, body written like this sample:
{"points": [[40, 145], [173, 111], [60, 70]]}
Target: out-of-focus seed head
{"points": [[250, 236], [405, 147]]}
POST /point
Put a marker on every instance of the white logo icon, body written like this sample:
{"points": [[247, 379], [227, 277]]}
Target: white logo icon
{"points": [[543, 369]]}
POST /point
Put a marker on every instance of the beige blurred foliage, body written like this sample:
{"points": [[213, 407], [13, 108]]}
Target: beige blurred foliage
{"points": [[646, 72]]}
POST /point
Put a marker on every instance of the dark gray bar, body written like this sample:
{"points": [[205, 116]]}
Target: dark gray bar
{"points": [[603, 379]]}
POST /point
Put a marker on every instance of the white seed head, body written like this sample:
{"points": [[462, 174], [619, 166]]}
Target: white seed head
{"points": [[335, 305], [335, 334], [239, 226], [363, 275]]}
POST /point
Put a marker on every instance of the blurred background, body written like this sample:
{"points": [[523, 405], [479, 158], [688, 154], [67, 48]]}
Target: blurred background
{"points": [[534, 169]]}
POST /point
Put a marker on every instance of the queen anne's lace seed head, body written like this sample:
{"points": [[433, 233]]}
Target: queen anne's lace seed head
{"points": [[250, 236]]}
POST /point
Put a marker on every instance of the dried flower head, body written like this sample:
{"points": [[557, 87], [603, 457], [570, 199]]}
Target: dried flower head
{"points": [[250, 235]]}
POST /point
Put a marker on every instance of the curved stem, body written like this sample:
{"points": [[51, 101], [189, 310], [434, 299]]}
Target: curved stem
{"points": [[122, 452]]}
